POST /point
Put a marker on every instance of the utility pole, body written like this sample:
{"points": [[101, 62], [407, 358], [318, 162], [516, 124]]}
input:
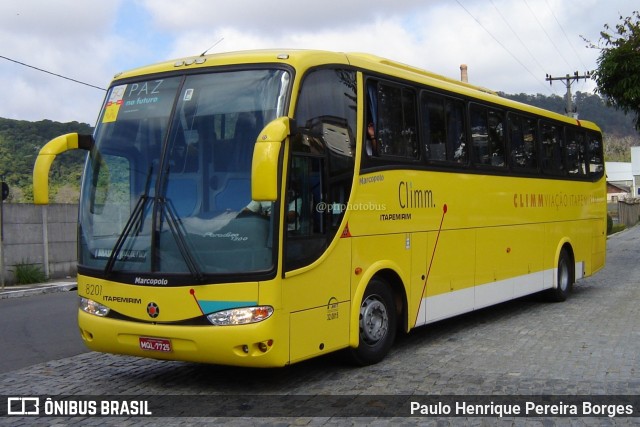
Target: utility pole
{"points": [[568, 80]]}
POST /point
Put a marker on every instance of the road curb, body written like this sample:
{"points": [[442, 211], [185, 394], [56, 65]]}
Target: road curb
{"points": [[47, 288]]}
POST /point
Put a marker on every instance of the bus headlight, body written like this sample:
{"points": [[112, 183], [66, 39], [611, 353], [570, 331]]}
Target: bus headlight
{"points": [[240, 316], [92, 307]]}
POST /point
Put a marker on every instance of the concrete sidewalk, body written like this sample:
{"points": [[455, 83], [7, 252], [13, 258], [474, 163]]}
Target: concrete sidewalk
{"points": [[16, 291]]}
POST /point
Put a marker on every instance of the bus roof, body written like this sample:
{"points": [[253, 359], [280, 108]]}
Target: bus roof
{"points": [[302, 59], [294, 57]]}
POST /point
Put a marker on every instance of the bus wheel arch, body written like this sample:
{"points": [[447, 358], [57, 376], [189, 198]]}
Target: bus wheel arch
{"points": [[381, 312], [394, 281], [565, 275]]}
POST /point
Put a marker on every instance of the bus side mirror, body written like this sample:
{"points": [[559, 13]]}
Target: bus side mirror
{"points": [[264, 167], [70, 141]]}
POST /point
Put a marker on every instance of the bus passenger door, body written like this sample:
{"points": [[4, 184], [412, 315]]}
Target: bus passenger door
{"points": [[317, 262], [315, 288]]}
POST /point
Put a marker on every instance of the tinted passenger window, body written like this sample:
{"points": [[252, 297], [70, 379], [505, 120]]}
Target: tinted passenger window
{"points": [[575, 152], [523, 142], [444, 125], [393, 111], [488, 136], [596, 156], [552, 147]]}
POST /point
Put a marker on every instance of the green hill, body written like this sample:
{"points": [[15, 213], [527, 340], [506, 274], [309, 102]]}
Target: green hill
{"points": [[20, 142]]}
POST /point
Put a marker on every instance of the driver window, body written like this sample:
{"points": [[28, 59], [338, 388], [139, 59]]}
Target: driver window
{"points": [[321, 164]]}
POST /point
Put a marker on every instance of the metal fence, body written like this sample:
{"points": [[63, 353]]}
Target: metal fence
{"points": [[629, 212]]}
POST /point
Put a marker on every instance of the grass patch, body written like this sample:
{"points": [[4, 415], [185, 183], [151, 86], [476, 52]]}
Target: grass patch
{"points": [[616, 229], [27, 273]]}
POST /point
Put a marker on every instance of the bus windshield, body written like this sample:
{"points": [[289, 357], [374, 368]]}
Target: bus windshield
{"points": [[167, 182]]}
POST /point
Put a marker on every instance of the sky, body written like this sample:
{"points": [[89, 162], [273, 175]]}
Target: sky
{"points": [[508, 45]]}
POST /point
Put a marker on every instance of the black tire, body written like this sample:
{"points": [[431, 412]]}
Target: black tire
{"points": [[565, 278], [378, 324]]}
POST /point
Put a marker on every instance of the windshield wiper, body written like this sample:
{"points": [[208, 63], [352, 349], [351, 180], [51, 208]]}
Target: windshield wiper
{"points": [[136, 219], [179, 234]]}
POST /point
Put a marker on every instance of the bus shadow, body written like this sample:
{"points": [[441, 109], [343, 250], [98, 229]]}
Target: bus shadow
{"points": [[229, 380], [314, 375], [447, 329]]}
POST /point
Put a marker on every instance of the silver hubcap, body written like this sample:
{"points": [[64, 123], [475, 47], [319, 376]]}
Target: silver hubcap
{"points": [[374, 322], [563, 275]]}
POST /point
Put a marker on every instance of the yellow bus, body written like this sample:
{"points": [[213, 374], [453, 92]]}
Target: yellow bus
{"points": [[262, 208]]}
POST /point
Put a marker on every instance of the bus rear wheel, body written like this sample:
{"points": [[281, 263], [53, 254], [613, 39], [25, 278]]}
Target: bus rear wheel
{"points": [[377, 324], [564, 278]]}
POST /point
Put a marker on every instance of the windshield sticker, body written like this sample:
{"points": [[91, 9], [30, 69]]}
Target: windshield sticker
{"points": [[141, 94], [113, 104], [140, 100], [234, 237], [134, 255]]}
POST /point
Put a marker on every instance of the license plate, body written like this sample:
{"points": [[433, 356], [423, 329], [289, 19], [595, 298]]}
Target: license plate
{"points": [[155, 344]]}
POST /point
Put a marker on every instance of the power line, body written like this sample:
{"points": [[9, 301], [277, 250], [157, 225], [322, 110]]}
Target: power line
{"points": [[53, 74], [502, 45], [547, 34], [506, 21], [584, 67], [565, 35]]}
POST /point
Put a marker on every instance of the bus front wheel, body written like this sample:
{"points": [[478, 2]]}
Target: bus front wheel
{"points": [[377, 324], [564, 278]]}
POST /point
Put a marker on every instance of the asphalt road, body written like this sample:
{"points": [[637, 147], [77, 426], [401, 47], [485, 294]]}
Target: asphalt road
{"points": [[38, 328]]}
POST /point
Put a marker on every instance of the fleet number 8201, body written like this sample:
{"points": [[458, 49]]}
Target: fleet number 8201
{"points": [[91, 289]]}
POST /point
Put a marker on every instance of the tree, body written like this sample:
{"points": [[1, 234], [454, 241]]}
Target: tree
{"points": [[618, 73]]}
